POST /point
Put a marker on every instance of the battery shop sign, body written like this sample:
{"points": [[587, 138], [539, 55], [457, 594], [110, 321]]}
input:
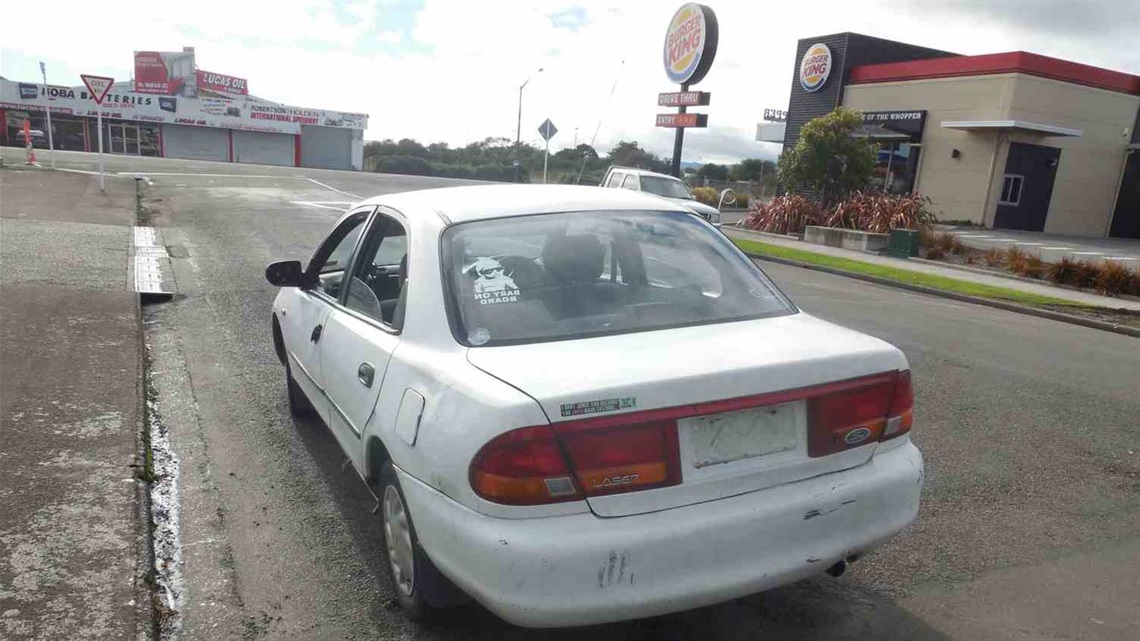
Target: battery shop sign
{"points": [[221, 83]]}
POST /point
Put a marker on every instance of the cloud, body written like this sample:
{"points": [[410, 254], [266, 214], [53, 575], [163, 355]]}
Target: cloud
{"points": [[450, 71]]}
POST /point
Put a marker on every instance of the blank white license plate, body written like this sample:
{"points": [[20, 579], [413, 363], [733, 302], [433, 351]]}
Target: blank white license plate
{"points": [[732, 436]]}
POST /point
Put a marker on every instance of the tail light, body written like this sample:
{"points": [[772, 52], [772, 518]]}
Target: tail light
{"points": [[613, 454], [901, 415], [851, 413], [533, 465]]}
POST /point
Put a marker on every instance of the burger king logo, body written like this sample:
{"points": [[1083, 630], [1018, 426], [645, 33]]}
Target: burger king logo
{"points": [[685, 43], [815, 67]]}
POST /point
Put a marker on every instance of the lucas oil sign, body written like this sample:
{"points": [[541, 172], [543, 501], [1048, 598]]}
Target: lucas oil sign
{"points": [[815, 67], [690, 44]]}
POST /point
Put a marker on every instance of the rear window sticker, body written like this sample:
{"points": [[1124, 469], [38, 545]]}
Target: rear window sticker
{"points": [[478, 336], [601, 405], [493, 286]]}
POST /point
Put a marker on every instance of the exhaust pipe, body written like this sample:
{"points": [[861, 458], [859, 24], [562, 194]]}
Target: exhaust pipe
{"points": [[838, 569]]}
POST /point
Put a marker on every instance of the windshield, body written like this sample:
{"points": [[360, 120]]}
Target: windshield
{"points": [[562, 276], [667, 187]]}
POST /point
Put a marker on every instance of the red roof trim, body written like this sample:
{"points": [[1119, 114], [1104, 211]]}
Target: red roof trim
{"points": [[989, 64]]}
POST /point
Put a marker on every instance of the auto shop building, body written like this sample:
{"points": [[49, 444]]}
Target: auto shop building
{"points": [[1009, 140], [173, 109]]}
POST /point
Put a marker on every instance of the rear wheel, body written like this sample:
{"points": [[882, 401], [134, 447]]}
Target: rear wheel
{"points": [[299, 405], [408, 567]]}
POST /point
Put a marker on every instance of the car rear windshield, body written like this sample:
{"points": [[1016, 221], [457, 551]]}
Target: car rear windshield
{"points": [[667, 187], [573, 275]]}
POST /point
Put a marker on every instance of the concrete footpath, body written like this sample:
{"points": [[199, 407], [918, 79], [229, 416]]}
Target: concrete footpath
{"points": [[1077, 297], [74, 549]]}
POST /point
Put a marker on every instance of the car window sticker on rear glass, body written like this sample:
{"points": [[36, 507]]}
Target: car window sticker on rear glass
{"points": [[479, 336], [493, 286]]}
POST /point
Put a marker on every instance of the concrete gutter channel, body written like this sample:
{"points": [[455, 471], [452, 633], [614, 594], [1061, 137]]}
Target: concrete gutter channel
{"points": [[83, 555], [988, 302]]}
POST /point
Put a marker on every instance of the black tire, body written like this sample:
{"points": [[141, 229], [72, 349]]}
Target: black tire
{"points": [[299, 405], [408, 593]]}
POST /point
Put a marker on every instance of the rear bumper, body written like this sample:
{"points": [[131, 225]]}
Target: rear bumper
{"points": [[581, 569]]}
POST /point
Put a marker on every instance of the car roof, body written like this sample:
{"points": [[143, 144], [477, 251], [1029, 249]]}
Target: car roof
{"points": [[641, 172], [480, 202]]}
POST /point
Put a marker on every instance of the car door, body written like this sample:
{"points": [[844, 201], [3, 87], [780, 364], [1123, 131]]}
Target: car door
{"points": [[303, 320], [362, 333]]}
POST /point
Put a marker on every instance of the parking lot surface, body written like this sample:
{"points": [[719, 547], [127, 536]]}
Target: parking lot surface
{"points": [[1029, 528]]}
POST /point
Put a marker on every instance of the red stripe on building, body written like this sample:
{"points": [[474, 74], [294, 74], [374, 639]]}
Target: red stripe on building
{"points": [[231, 137], [161, 148], [3, 126], [296, 150], [995, 63], [86, 135]]}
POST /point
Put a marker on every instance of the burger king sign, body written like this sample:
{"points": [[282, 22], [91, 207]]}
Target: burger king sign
{"points": [[815, 67], [690, 44]]}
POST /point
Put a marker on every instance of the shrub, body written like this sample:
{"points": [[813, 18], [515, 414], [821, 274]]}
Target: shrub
{"points": [[935, 252], [1087, 274], [1114, 279], [947, 242], [993, 257], [1065, 271], [782, 215], [741, 200], [1015, 260], [706, 195], [878, 212], [1034, 267]]}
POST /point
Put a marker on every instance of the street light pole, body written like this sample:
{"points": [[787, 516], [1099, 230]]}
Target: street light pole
{"points": [[47, 110], [518, 126]]}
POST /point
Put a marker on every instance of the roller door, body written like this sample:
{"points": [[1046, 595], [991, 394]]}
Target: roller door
{"points": [[263, 149], [195, 143], [326, 147]]}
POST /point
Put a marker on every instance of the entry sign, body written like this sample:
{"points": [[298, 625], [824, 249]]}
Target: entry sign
{"points": [[547, 129], [98, 86], [677, 121]]}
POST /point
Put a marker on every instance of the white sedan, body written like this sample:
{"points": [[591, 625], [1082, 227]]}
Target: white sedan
{"points": [[580, 405]]}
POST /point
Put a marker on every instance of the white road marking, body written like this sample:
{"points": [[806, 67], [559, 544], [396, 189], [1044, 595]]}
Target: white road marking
{"points": [[979, 236], [339, 191], [1057, 248], [1120, 258], [161, 173], [1018, 242], [322, 204], [1087, 253]]}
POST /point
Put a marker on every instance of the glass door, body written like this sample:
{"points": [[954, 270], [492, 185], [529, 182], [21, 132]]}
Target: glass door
{"points": [[115, 142], [123, 138], [131, 140]]}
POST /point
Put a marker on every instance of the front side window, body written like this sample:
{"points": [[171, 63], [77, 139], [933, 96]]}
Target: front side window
{"points": [[379, 280], [667, 187], [564, 276], [630, 182], [332, 258]]}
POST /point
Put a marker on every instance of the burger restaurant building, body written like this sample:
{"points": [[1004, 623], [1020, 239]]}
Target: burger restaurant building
{"points": [[172, 109], [1008, 140]]}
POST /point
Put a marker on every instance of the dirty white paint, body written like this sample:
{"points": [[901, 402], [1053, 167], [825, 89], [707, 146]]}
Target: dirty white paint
{"points": [[165, 518], [148, 257]]}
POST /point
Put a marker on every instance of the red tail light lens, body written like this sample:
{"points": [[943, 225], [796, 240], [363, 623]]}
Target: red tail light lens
{"points": [[901, 415], [622, 458], [849, 414], [523, 467]]}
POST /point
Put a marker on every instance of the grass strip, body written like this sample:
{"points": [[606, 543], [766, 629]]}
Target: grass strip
{"points": [[907, 276]]}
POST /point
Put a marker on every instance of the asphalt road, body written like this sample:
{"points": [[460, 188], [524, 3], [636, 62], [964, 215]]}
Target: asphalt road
{"points": [[1029, 528]]}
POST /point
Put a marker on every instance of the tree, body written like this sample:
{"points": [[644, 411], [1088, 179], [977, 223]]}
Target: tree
{"points": [[628, 154], [752, 170], [828, 159], [711, 171]]}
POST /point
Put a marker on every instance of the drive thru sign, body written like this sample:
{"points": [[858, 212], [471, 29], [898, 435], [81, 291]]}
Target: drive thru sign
{"points": [[97, 88]]}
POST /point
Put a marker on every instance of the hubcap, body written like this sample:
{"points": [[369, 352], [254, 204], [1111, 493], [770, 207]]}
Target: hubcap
{"points": [[398, 536]]}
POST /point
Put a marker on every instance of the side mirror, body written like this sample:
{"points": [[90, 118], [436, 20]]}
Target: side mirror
{"points": [[285, 273]]}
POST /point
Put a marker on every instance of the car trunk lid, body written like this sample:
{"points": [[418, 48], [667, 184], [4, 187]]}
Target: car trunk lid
{"points": [[726, 386]]}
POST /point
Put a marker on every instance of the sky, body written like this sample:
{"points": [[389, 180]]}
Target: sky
{"points": [[450, 70]]}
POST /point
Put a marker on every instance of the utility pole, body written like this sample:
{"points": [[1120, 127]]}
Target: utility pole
{"points": [[47, 109]]}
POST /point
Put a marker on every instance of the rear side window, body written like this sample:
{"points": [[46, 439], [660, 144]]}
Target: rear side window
{"points": [[615, 179], [564, 276]]}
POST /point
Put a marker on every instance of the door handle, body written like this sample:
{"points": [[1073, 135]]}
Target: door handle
{"points": [[365, 374], [316, 335]]}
